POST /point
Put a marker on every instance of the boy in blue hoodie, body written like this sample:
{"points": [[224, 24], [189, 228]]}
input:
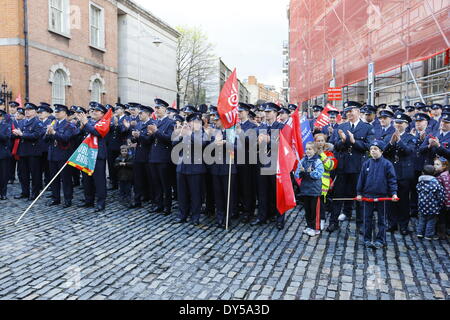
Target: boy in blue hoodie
{"points": [[376, 180]]}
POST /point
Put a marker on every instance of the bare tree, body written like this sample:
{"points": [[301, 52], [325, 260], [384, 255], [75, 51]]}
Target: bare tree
{"points": [[194, 64]]}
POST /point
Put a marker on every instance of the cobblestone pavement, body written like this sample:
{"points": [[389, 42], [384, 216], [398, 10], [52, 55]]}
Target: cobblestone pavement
{"points": [[121, 254]]}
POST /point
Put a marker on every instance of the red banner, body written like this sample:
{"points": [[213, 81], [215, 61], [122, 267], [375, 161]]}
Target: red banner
{"points": [[286, 162], [228, 102], [324, 119]]}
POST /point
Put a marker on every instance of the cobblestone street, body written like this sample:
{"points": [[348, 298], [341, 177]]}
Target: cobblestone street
{"points": [[122, 254]]}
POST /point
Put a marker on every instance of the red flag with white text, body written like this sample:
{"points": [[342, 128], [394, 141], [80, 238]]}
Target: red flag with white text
{"points": [[228, 102], [324, 119]]}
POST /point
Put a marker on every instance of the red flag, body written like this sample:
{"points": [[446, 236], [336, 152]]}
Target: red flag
{"points": [[285, 164], [228, 102], [174, 104], [447, 57], [103, 125], [324, 119], [85, 157]]}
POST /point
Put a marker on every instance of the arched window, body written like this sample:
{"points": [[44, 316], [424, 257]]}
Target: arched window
{"points": [[59, 88], [96, 91]]}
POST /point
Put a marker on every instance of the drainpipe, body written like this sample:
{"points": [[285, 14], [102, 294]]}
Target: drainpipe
{"points": [[25, 33]]}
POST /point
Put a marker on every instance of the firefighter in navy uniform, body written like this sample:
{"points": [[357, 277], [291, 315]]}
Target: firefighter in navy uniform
{"points": [[439, 143], [141, 169], [317, 110], [12, 163], [267, 180], [246, 172], [329, 128], [351, 140], [61, 135], [45, 115], [386, 128], [160, 158], [95, 185], [5, 153], [220, 172], [190, 168], [116, 138], [29, 132], [400, 150]]}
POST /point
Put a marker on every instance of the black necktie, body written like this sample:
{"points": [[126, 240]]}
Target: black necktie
{"points": [[353, 127]]}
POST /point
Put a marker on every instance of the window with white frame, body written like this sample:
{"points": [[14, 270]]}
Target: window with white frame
{"points": [[96, 93], [59, 88], [97, 27], [59, 16]]}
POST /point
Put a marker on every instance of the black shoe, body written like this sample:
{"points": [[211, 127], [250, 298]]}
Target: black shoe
{"points": [[156, 209], [113, 188], [180, 220], [11, 182], [404, 232], [392, 229], [54, 203], [257, 222], [86, 205], [99, 209], [21, 196], [3, 198], [195, 223], [166, 212], [32, 198], [332, 227], [67, 204], [234, 216], [220, 225], [135, 206], [280, 226], [273, 219]]}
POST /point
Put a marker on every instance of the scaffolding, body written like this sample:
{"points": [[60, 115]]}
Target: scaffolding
{"points": [[373, 49]]}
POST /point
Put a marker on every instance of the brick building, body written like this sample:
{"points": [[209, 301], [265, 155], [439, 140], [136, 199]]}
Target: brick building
{"points": [[72, 56], [81, 51], [259, 91]]}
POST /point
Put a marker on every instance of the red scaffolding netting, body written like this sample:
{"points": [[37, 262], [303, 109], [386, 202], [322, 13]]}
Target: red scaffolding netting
{"points": [[354, 33]]}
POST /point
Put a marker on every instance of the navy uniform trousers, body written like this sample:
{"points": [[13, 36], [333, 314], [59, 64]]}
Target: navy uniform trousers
{"points": [[220, 183], [95, 185], [189, 195], [30, 166], [65, 177], [267, 195]]}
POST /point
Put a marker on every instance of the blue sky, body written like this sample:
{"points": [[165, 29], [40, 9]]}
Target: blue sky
{"points": [[247, 34]]}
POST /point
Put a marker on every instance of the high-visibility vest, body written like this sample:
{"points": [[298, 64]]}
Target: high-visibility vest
{"points": [[329, 164]]}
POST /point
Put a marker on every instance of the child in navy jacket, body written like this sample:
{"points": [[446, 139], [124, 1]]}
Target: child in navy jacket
{"points": [[310, 170], [376, 180]]}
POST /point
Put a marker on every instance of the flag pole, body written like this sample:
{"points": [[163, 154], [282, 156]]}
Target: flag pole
{"points": [[229, 193], [45, 189]]}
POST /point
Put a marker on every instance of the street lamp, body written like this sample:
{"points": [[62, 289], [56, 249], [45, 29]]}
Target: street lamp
{"points": [[157, 41], [5, 95]]}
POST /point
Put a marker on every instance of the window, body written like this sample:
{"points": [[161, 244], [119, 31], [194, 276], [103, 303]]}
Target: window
{"points": [[96, 21], [96, 91], [59, 88], [59, 16]]}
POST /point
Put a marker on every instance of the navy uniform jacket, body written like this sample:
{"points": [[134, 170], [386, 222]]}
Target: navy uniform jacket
{"points": [[143, 143], [247, 125], [267, 129], [222, 169], [5, 139], [381, 135], [117, 135], [377, 179], [189, 165], [419, 158], [325, 129], [89, 128], [350, 156], [433, 125], [44, 145], [401, 154], [61, 143], [161, 141], [431, 153], [32, 130]]}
